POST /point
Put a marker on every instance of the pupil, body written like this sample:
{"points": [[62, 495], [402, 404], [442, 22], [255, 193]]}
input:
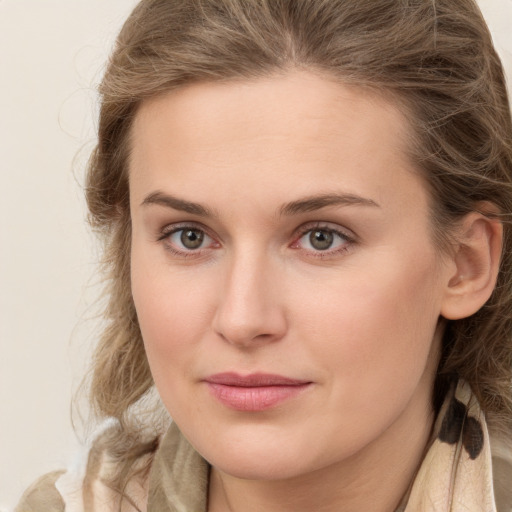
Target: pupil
{"points": [[321, 240], [192, 238]]}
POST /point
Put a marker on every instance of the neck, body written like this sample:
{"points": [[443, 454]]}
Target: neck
{"points": [[376, 478]]}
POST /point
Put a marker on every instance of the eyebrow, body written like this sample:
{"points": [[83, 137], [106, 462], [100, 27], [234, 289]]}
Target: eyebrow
{"points": [[161, 199], [312, 203], [304, 205]]}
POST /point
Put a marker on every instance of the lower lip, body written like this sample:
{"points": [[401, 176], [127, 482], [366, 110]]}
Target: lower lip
{"points": [[257, 398]]}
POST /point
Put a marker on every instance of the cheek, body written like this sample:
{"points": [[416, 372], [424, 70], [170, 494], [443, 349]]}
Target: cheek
{"points": [[172, 310], [373, 328]]}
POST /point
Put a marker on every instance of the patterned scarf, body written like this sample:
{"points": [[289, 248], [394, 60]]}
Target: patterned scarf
{"points": [[456, 473]]}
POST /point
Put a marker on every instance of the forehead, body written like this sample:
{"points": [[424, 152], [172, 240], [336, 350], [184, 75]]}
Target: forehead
{"points": [[294, 128]]}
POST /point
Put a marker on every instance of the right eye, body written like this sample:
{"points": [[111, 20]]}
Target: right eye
{"points": [[187, 240]]}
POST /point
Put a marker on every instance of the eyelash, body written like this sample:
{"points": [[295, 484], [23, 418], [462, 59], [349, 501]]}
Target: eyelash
{"points": [[348, 240], [168, 231]]}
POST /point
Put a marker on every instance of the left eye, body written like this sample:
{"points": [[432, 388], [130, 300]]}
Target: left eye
{"points": [[322, 239], [189, 239]]}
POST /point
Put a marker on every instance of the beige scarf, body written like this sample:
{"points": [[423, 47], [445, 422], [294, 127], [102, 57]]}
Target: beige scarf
{"points": [[456, 473]]}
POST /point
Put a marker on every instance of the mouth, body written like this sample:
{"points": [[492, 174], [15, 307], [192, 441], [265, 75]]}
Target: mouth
{"points": [[255, 392]]}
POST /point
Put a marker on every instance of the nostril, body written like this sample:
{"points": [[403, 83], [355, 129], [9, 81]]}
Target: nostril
{"points": [[262, 329]]}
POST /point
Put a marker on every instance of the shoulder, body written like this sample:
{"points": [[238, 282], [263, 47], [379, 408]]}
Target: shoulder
{"points": [[501, 449], [43, 496], [94, 479]]}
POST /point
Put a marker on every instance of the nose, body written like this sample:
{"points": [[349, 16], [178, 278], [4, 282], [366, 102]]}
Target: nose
{"points": [[250, 311]]}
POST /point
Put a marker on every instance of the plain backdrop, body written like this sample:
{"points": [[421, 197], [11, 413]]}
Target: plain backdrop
{"points": [[52, 54]]}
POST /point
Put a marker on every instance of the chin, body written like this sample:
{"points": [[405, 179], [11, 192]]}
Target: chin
{"points": [[262, 467], [264, 455]]}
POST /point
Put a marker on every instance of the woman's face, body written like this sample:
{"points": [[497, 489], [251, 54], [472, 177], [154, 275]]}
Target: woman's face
{"points": [[283, 271]]}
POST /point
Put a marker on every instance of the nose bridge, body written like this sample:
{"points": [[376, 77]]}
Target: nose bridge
{"points": [[249, 308]]}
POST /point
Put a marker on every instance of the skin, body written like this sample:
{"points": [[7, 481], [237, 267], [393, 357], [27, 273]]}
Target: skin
{"points": [[358, 321]]}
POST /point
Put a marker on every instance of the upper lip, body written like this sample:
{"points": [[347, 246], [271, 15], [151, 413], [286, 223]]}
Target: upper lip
{"points": [[253, 380]]}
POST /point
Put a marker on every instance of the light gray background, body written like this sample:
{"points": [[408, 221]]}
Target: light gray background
{"points": [[52, 54]]}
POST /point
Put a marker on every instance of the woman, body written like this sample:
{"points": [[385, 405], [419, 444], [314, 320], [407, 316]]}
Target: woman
{"points": [[305, 211]]}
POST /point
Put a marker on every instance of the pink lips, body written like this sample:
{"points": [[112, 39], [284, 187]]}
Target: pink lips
{"points": [[255, 392]]}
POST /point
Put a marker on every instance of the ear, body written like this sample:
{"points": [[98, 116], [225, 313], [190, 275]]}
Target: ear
{"points": [[476, 260]]}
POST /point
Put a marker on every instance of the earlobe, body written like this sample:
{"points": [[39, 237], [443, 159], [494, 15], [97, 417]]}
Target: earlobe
{"points": [[477, 259]]}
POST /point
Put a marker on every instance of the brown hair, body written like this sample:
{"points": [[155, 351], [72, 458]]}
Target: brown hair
{"points": [[435, 57]]}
